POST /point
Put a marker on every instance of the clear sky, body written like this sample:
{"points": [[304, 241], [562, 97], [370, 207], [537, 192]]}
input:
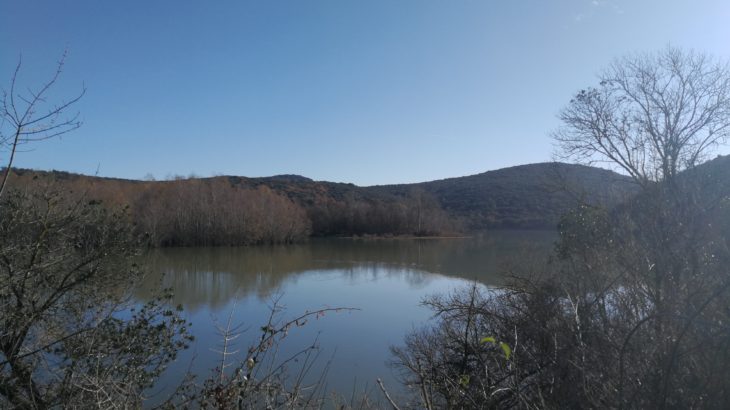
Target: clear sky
{"points": [[369, 92]]}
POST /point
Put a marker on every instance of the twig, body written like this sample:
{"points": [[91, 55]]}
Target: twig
{"points": [[387, 396]]}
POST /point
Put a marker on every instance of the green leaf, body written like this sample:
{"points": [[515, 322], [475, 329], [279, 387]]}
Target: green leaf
{"points": [[488, 339], [506, 349], [464, 380]]}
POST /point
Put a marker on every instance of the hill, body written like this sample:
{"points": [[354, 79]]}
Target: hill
{"points": [[532, 196], [524, 196], [194, 211]]}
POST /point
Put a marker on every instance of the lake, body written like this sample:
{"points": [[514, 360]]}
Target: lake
{"points": [[384, 279]]}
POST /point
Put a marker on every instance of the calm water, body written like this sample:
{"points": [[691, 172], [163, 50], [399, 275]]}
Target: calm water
{"points": [[384, 279]]}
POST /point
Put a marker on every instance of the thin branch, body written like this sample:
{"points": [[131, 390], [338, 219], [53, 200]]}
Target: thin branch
{"points": [[387, 396]]}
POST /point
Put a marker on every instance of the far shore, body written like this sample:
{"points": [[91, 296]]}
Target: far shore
{"points": [[405, 237]]}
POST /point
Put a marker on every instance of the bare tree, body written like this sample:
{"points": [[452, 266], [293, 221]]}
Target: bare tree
{"points": [[70, 330], [71, 334], [263, 377], [29, 117], [652, 115], [632, 310]]}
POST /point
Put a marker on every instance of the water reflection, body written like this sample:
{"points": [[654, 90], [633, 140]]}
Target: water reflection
{"points": [[385, 279], [211, 277]]}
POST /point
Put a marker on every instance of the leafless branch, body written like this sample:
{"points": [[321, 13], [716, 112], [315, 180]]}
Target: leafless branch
{"points": [[20, 116], [651, 116]]}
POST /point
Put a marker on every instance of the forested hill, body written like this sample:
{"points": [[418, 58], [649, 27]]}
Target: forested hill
{"points": [[713, 175], [524, 196], [194, 211]]}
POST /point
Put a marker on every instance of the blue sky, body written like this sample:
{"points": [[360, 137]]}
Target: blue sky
{"points": [[369, 92]]}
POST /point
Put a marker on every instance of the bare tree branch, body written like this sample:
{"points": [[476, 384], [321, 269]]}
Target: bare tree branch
{"points": [[652, 115], [19, 116]]}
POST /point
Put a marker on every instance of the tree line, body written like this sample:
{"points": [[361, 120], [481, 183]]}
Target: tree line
{"points": [[194, 213], [218, 212], [417, 213]]}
